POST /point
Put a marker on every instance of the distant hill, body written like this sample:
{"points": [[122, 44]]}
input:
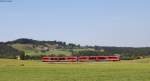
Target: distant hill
{"points": [[57, 44], [36, 47], [35, 42]]}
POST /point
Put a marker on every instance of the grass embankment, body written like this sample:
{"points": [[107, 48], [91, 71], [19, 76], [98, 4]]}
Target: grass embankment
{"points": [[14, 70]]}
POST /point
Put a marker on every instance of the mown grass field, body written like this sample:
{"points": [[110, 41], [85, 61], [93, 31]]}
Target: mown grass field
{"points": [[14, 70]]}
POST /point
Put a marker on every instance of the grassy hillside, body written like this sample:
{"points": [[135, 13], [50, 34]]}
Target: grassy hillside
{"points": [[9, 52], [30, 50], [13, 70]]}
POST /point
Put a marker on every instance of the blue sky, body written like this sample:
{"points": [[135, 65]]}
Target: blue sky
{"points": [[85, 22]]}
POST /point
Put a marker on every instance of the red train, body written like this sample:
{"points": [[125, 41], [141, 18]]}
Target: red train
{"points": [[80, 58]]}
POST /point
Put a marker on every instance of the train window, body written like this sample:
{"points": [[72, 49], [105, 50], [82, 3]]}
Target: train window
{"points": [[71, 58], [92, 58], [112, 57], [83, 58], [61, 58], [102, 58], [51, 59], [55, 58], [45, 58]]}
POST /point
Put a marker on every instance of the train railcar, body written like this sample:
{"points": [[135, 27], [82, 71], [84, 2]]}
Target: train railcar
{"points": [[80, 58], [107, 58], [83, 58], [71, 59]]}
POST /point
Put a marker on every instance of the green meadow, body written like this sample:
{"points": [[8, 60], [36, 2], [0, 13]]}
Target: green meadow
{"points": [[16, 70]]}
